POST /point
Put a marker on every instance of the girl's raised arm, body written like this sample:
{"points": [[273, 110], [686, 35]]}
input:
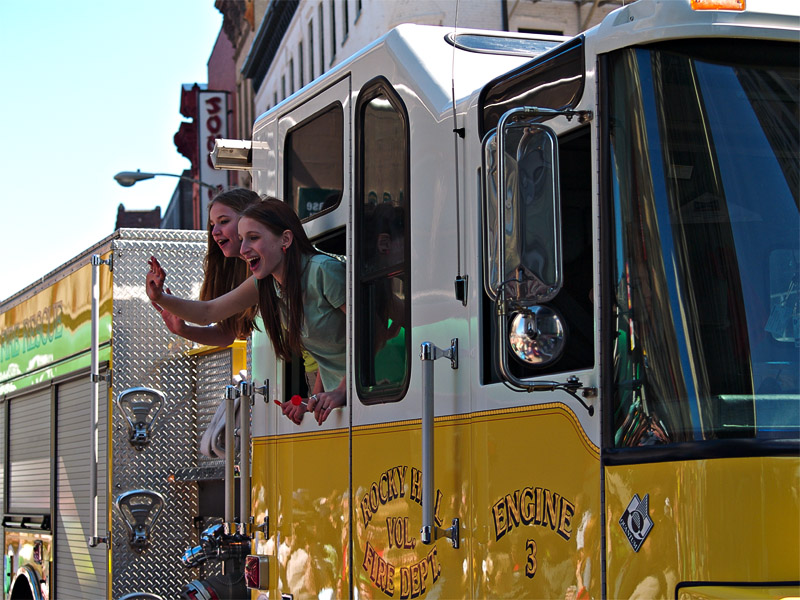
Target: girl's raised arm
{"points": [[201, 312]]}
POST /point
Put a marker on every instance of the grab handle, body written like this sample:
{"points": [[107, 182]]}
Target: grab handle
{"points": [[95, 378], [430, 532]]}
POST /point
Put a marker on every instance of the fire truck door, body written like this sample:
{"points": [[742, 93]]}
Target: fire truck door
{"points": [[310, 515]]}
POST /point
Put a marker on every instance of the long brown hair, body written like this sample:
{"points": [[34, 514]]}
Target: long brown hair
{"points": [[222, 273], [277, 216]]}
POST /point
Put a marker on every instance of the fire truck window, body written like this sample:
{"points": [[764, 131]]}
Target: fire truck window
{"points": [[382, 275], [314, 167], [706, 248]]}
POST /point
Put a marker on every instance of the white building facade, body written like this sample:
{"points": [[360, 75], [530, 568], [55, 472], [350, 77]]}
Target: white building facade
{"points": [[291, 42]]}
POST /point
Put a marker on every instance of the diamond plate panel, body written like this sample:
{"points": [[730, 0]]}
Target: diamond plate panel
{"points": [[213, 374], [145, 353], [158, 236]]}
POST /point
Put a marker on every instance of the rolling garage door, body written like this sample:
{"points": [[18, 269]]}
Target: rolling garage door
{"points": [[80, 571], [29, 454]]}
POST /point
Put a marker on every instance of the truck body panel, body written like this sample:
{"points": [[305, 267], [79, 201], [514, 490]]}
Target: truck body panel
{"points": [[549, 497]]}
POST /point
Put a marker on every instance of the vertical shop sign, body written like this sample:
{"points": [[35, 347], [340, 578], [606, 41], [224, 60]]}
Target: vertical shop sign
{"points": [[213, 120]]}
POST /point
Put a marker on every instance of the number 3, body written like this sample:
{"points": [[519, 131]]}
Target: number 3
{"points": [[530, 566]]}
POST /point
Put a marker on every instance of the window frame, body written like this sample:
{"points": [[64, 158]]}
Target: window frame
{"points": [[300, 64], [345, 21], [321, 21]]}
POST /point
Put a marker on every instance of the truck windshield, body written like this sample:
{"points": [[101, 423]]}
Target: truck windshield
{"points": [[704, 176]]}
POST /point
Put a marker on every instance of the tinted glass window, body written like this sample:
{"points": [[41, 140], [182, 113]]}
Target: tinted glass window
{"points": [[553, 80], [704, 174], [382, 213]]}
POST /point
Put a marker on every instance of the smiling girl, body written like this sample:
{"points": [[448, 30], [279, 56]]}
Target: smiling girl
{"points": [[301, 297], [223, 271]]}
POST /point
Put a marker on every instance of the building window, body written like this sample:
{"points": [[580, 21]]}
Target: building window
{"points": [[283, 87], [321, 41], [358, 9], [244, 117], [300, 70], [311, 49], [345, 20], [274, 98], [382, 252], [314, 152], [333, 31]]}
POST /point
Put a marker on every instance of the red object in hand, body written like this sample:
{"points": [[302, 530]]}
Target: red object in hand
{"points": [[295, 400]]}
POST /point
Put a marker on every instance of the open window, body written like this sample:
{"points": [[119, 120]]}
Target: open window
{"points": [[313, 181], [382, 274], [315, 165]]}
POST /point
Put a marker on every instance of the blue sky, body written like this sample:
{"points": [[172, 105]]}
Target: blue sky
{"points": [[89, 88]]}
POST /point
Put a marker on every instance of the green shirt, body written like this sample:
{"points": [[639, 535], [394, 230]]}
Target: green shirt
{"points": [[324, 287]]}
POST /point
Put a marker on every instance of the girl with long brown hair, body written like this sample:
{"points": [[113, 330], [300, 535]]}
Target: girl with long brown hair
{"points": [[223, 269], [301, 295]]}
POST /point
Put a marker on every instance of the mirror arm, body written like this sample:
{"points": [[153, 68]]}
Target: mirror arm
{"points": [[584, 116]]}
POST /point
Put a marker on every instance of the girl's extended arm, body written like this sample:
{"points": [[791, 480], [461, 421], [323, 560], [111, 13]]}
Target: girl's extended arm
{"points": [[202, 312], [214, 335], [318, 385]]}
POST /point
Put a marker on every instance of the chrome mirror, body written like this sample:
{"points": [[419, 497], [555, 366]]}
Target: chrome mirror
{"points": [[537, 336], [521, 209]]}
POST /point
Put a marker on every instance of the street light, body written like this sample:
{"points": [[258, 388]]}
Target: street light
{"points": [[129, 178]]}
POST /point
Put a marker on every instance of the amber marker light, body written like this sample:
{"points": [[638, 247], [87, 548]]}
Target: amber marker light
{"points": [[718, 4]]}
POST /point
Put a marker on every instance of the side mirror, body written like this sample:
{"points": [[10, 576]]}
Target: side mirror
{"points": [[537, 335], [522, 219], [522, 240], [521, 225]]}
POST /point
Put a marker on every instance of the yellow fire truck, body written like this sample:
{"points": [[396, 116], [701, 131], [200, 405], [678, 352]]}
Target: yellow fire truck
{"points": [[573, 338], [573, 335]]}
